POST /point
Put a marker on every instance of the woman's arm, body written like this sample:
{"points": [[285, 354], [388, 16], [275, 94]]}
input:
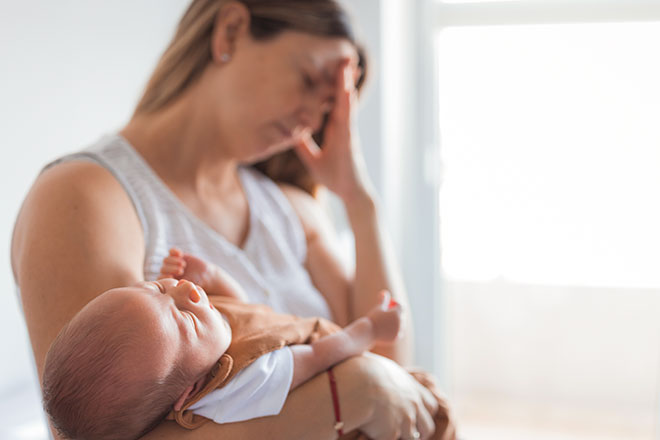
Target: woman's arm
{"points": [[351, 296], [77, 235], [339, 166], [375, 395], [376, 269]]}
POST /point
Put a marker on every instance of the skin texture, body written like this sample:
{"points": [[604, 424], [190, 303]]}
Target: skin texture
{"points": [[77, 234]]}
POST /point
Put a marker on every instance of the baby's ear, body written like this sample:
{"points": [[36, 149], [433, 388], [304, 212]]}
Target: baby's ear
{"points": [[188, 394]]}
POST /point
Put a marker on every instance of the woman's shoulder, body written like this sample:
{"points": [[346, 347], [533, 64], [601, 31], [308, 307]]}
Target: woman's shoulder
{"points": [[72, 174], [74, 237], [70, 199], [76, 184]]}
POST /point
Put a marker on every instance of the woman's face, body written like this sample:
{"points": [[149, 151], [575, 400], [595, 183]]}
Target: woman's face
{"points": [[270, 92]]}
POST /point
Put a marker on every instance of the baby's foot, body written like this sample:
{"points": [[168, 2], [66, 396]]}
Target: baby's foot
{"points": [[174, 266], [185, 266], [210, 277], [386, 319]]}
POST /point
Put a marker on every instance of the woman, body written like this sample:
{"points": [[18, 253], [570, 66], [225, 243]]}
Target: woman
{"points": [[241, 82]]}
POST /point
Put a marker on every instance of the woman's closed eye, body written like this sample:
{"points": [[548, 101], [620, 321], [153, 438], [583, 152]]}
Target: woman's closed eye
{"points": [[309, 82]]}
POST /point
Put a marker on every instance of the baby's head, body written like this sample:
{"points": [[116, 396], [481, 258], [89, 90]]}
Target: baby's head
{"points": [[129, 357]]}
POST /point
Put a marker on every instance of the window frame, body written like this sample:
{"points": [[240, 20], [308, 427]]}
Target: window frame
{"points": [[411, 146]]}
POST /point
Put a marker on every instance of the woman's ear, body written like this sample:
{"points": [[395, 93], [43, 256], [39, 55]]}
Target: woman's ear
{"points": [[190, 392], [231, 23]]}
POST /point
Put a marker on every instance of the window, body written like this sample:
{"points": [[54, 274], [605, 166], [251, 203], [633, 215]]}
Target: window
{"points": [[549, 216]]}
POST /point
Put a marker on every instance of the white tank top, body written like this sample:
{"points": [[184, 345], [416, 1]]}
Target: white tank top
{"points": [[269, 266]]}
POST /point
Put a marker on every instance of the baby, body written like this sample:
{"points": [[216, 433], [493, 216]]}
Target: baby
{"points": [[134, 354]]}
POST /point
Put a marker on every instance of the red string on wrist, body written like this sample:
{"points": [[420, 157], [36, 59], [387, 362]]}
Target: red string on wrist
{"points": [[339, 425]]}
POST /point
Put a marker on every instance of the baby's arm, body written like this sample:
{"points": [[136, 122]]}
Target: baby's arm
{"points": [[210, 277], [382, 324]]}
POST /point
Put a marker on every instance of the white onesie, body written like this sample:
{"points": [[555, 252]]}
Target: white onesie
{"points": [[258, 390]]}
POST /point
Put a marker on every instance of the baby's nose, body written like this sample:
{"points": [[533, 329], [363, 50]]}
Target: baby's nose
{"points": [[190, 290]]}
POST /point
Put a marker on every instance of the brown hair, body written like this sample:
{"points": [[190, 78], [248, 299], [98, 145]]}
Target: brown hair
{"points": [[189, 53], [89, 392]]}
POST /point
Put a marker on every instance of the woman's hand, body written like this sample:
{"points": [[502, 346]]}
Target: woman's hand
{"points": [[402, 407], [338, 164]]}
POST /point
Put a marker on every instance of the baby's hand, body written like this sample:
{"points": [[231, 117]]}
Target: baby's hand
{"points": [[210, 277], [386, 319]]}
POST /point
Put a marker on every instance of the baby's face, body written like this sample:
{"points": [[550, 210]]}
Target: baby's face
{"points": [[177, 322]]}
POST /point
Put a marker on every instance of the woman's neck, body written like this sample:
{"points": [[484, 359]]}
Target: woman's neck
{"points": [[183, 148]]}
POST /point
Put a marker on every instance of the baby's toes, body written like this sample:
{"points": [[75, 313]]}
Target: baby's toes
{"points": [[175, 261], [172, 269], [176, 252]]}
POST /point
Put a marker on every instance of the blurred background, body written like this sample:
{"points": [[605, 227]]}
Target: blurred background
{"points": [[515, 146]]}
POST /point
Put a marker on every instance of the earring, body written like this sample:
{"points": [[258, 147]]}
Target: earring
{"points": [[225, 57]]}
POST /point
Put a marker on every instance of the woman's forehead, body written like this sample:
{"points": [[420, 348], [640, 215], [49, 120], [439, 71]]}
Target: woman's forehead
{"points": [[318, 49]]}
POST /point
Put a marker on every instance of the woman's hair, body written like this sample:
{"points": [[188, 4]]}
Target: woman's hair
{"points": [[189, 53]]}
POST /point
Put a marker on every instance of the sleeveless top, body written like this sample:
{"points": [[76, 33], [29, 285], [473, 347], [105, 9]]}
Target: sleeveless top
{"points": [[269, 266]]}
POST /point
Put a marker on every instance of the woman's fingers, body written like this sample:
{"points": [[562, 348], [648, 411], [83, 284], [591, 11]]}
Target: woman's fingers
{"points": [[307, 150], [344, 93], [358, 71], [405, 406], [408, 428], [425, 425], [430, 402], [428, 409], [418, 425]]}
